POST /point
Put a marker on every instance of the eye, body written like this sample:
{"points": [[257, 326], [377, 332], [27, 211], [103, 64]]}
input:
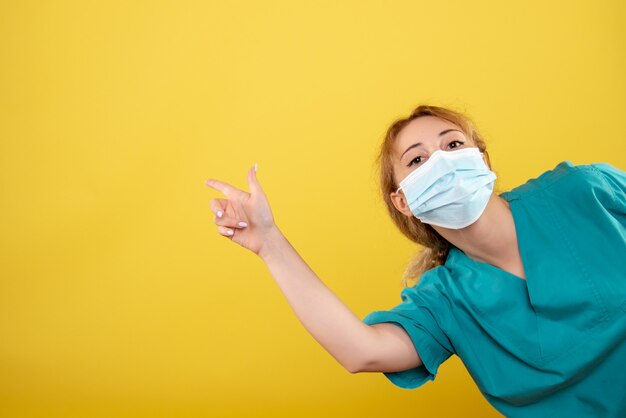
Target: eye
{"points": [[414, 160], [418, 160]]}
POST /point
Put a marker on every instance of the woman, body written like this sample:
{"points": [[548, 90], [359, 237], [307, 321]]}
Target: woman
{"points": [[527, 287]]}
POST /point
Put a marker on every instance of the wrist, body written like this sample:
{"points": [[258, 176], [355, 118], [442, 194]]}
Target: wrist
{"points": [[271, 244]]}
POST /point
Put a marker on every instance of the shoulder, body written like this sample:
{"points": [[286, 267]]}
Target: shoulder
{"points": [[431, 297], [564, 173], [613, 179], [601, 181], [431, 289], [598, 185]]}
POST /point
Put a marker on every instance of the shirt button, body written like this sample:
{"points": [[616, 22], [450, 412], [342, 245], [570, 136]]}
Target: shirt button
{"points": [[623, 306]]}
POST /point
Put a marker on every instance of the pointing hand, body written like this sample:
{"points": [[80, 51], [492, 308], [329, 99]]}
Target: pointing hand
{"points": [[252, 208]]}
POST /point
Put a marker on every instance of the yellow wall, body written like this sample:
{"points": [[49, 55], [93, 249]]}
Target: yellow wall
{"points": [[117, 295]]}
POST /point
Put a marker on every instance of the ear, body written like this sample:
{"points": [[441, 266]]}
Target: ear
{"points": [[399, 201]]}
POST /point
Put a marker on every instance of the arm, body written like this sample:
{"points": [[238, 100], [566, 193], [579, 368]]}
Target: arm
{"points": [[355, 345], [396, 349]]}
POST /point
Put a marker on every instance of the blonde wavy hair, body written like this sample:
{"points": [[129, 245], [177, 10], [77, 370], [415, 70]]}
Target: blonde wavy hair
{"points": [[436, 247]]}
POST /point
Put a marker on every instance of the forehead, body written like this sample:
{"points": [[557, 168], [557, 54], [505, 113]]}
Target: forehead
{"points": [[424, 129]]}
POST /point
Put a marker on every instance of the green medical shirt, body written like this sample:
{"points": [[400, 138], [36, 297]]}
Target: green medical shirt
{"points": [[555, 343]]}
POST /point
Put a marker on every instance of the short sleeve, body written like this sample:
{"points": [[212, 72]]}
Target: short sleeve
{"points": [[616, 182], [417, 314]]}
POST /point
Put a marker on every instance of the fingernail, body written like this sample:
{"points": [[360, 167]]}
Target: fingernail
{"points": [[229, 232], [256, 166], [219, 213], [242, 224]]}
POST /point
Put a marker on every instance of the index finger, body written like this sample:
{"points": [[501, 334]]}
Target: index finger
{"points": [[228, 190]]}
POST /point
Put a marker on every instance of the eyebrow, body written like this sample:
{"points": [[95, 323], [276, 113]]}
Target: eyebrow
{"points": [[419, 143]]}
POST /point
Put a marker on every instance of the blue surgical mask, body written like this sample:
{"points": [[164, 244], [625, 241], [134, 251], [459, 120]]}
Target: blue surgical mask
{"points": [[451, 189]]}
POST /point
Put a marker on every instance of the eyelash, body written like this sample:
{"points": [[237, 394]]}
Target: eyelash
{"points": [[411, 162]]}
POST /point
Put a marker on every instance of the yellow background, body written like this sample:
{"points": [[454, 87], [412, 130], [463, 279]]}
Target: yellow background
{"points": [[118, 298]]}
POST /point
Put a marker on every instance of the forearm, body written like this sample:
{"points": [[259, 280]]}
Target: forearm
{"points": [[321, 312]]}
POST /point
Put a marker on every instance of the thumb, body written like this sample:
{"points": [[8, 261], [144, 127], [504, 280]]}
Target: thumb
{"points": [[253, 182]]}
